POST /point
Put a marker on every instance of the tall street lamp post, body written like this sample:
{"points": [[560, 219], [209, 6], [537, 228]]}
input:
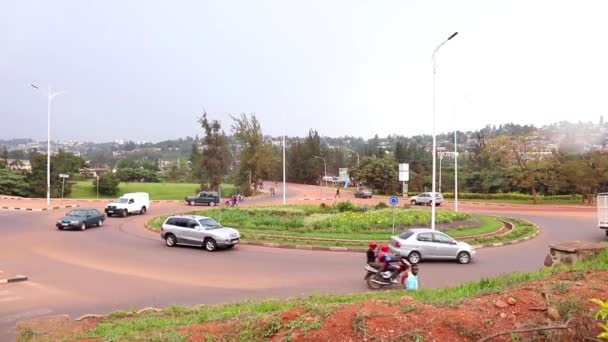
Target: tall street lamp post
{"points": [[325, 173], [357, 153], [434, 60], [50, 97]]}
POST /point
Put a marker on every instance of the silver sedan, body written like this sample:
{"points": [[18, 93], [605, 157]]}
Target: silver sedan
{"points": [[423, 243]]}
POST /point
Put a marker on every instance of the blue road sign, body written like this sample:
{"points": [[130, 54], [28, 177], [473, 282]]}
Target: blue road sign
{"points": [[393, 200]]}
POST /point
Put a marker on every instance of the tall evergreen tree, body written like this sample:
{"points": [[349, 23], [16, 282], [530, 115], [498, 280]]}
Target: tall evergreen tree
{"points": [[213, 160]]}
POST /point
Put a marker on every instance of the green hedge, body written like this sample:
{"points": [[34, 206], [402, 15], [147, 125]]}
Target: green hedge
{"points": [[511, 196]]}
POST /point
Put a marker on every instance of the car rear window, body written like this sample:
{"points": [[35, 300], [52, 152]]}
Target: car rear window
{"points": [[406, 235]]}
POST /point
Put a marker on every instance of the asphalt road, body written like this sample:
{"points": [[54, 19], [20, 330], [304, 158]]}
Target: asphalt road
{"points": [[121, 265]]}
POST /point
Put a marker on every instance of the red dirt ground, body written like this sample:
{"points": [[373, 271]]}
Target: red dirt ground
{"points": [[477, 317], [523, 306]]}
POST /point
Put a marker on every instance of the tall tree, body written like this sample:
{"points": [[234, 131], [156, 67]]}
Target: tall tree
{"points": [[214, 160], [3, 158], [378, 173], [256, 154]]}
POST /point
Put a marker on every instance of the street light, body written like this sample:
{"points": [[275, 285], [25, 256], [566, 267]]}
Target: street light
{"points": [[284, 184], [325, 177], [455, 173], [434, 60], [357, 153], [50, 97], [440, 159]]}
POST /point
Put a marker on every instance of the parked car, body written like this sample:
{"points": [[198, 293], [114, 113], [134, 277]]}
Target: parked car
{"points": [[209, 198], [426, 199], [362, 193], [417, 244], [198, 231], [81, 219], [129, 203]]}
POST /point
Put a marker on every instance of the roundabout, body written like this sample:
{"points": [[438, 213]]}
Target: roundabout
{"points": [[121, 265]]}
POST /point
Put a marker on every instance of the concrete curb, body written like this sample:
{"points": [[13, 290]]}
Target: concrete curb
{"points": [[14, 279], [500, 244], [40, 209]]}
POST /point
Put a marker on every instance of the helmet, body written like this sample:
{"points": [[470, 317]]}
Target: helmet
{"points": [[373, 245], [384, 248]]}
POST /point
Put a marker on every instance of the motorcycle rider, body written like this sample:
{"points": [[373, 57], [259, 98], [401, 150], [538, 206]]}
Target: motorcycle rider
{"points": [[385, 259], [371, 255]]}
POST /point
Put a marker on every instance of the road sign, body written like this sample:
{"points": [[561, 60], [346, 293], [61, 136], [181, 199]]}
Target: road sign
{"points": [[63, 175], [393, 200], [404, 172]]}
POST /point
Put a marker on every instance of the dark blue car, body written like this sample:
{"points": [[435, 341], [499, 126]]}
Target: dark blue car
{"points": [[81, 219]]}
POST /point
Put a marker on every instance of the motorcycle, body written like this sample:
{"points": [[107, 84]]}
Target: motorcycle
{"points": [[377, 279], [230, 203]]}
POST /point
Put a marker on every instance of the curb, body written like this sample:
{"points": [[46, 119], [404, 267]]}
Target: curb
{"points": [[40, 209], [14, 279], [500, 244]]}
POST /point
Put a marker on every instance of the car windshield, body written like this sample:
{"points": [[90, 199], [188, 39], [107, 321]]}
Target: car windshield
{"points": [[77, 213], [122, 200], [210, 223]]}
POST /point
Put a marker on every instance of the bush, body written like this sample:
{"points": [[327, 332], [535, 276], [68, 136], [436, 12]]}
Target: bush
{"points": [[602, 314], [345, 206], [510, 196], [108, 184], [381, 205]]}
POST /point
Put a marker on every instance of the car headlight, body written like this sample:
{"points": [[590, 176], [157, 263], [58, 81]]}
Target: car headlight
{"points": [[74, 222]]}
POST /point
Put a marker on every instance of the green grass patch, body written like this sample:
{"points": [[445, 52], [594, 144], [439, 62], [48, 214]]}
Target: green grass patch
{"points": [[521, 229], [162, 326], [157, 191], [487, 224]]}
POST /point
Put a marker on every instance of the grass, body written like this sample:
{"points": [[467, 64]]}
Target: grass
{"points": [[296, 224], [157, 191], [521, 229], [516, 201], [151, 325]]}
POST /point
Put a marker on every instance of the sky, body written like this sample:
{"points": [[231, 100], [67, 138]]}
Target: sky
{"points": [[146, 70]]}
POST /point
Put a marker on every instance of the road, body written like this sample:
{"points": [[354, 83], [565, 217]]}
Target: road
{"points": [[121, 265]]}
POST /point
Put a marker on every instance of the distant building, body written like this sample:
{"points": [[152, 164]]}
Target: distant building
{"points": [[19, 165]]}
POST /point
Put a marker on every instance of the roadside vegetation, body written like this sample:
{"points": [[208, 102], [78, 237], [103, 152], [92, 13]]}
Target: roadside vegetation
{"points": [[260, 320], [157, 191], [347, 225]]}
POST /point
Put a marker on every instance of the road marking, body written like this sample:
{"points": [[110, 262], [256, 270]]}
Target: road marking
{"points": [[10, 299]]}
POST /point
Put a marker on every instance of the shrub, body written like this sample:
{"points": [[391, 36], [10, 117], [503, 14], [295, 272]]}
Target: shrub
{"points": [[345, 206], [602, 314], [381, 205], [108, 184]]}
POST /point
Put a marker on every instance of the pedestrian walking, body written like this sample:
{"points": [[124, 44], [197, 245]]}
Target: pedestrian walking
{"points": [[337, 193]]}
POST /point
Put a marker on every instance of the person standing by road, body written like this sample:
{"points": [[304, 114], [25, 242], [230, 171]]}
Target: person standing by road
{"points": [[272, 191], [337, 193]]}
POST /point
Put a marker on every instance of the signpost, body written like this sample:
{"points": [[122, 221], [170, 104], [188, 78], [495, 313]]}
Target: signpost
{"points": [[404, 176], [97, 177], [393, 200], [63, 176]]}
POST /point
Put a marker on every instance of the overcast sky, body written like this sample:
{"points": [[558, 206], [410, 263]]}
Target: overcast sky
{"points": [[144, 70]]}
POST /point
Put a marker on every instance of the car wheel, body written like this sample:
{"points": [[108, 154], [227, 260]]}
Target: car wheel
{"points": [[464, 258], [210, 244], [190, 203], [170, 240], [124, 213], [212, 204], [414, 202], [414, 257], [142, 210], [99, 223], [83, 226]]}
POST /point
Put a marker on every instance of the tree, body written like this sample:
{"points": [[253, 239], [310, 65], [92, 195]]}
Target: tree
{"points": [[379, 174], [256, 155], [61, 162], [13, 183], [519, 157], [4, 158], [214, 159], [108, 184]]}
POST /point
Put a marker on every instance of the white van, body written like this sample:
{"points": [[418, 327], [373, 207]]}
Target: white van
{"points": [[136, 202]]}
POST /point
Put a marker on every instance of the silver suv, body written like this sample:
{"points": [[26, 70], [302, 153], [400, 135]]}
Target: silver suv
{"points": [[198, 231], [426, 199]]}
